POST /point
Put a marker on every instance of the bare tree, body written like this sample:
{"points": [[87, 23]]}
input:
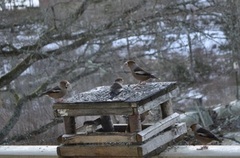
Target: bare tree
{"points": [[81, 41]]}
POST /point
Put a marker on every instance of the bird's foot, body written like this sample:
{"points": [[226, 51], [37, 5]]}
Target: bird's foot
{"points": [[142, 83], [203, 147], [137, 87], [59, 100]]}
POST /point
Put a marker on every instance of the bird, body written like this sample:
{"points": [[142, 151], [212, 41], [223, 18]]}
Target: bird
{"points": [[203, 135], [116, 88], [139, 73], [59, 91]]}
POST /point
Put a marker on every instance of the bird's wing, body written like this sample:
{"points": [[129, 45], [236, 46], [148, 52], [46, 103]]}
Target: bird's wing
{"points": [[115, 89], [140, 71], [207, 134], [56, 89]]}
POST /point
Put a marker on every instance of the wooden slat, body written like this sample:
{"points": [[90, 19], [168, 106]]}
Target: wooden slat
{"points": [[169, 88], [123, 127], [100, 137], [163, 88], [92, 112], [154, 102], [157, 127], [164, 138], [123, 150], [98, 151], [92, 105]]}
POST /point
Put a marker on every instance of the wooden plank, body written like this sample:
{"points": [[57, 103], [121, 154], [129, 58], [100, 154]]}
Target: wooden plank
{"points": [[97, 151], [154, 103], [164, 138], [146, 96], [93, 112], [166, 109], [123, 127], [69, 123], [92, 105], [134, 122], [99, 137], [157, 127], [107, 124]]}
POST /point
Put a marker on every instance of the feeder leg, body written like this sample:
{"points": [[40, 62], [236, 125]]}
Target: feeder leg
{"points": [[69, 123], [134, 121], [166, 109], [107, 123]]}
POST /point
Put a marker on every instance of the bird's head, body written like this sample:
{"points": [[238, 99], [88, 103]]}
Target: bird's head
{"points": [[65, 84], [119, 80], [195, 126], [129, 62]]}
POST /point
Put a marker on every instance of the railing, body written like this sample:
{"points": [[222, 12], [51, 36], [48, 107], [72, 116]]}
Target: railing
{"points": [[213, 151], [27, 151]]}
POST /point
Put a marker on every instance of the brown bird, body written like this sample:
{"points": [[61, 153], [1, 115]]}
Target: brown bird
{"points": [[59, 91], [203, 135], [138, 73], [116, 88]]}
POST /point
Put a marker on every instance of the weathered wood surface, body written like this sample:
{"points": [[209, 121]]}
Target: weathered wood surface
{"points": [[69, 123], [158, 127], [100, 151], [96, 102], [130, 93], [166, 109], [107, 124], [91, 109], [122, 149], [163, 138], [155, 102], [100, 137], [134, 122]]}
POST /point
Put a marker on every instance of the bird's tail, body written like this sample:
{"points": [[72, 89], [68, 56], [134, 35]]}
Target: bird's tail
{"points": [[152, 76]]}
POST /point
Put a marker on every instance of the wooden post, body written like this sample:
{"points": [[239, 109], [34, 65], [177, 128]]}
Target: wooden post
{"points": [[107, 123], [166, 109], [69, 123], [134, 121]]}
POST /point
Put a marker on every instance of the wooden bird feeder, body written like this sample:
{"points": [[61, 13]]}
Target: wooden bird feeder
{"points": [[133, 139]]}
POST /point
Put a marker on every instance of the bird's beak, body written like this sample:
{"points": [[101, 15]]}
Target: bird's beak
{"points": [[69, 86], [124, 67]]}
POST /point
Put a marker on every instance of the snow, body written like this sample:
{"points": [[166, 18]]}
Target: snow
{"points": [[56, 45], [88, 49], [208, 40], [26, 3], [133, 41]]}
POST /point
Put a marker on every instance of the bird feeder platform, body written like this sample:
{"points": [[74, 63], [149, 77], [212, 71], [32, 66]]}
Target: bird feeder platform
{"points": [[133, 139]]}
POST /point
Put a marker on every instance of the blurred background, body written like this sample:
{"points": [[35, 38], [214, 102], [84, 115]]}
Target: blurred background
{"points": [[192, 42]]}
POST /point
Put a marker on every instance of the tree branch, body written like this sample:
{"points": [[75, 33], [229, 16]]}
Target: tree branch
{"points": [[31, 134]]}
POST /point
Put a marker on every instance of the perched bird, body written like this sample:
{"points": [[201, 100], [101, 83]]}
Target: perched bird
{"points": [[89, 126], [203, 135], [116, 88], [59, 91], [138, 73]]}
